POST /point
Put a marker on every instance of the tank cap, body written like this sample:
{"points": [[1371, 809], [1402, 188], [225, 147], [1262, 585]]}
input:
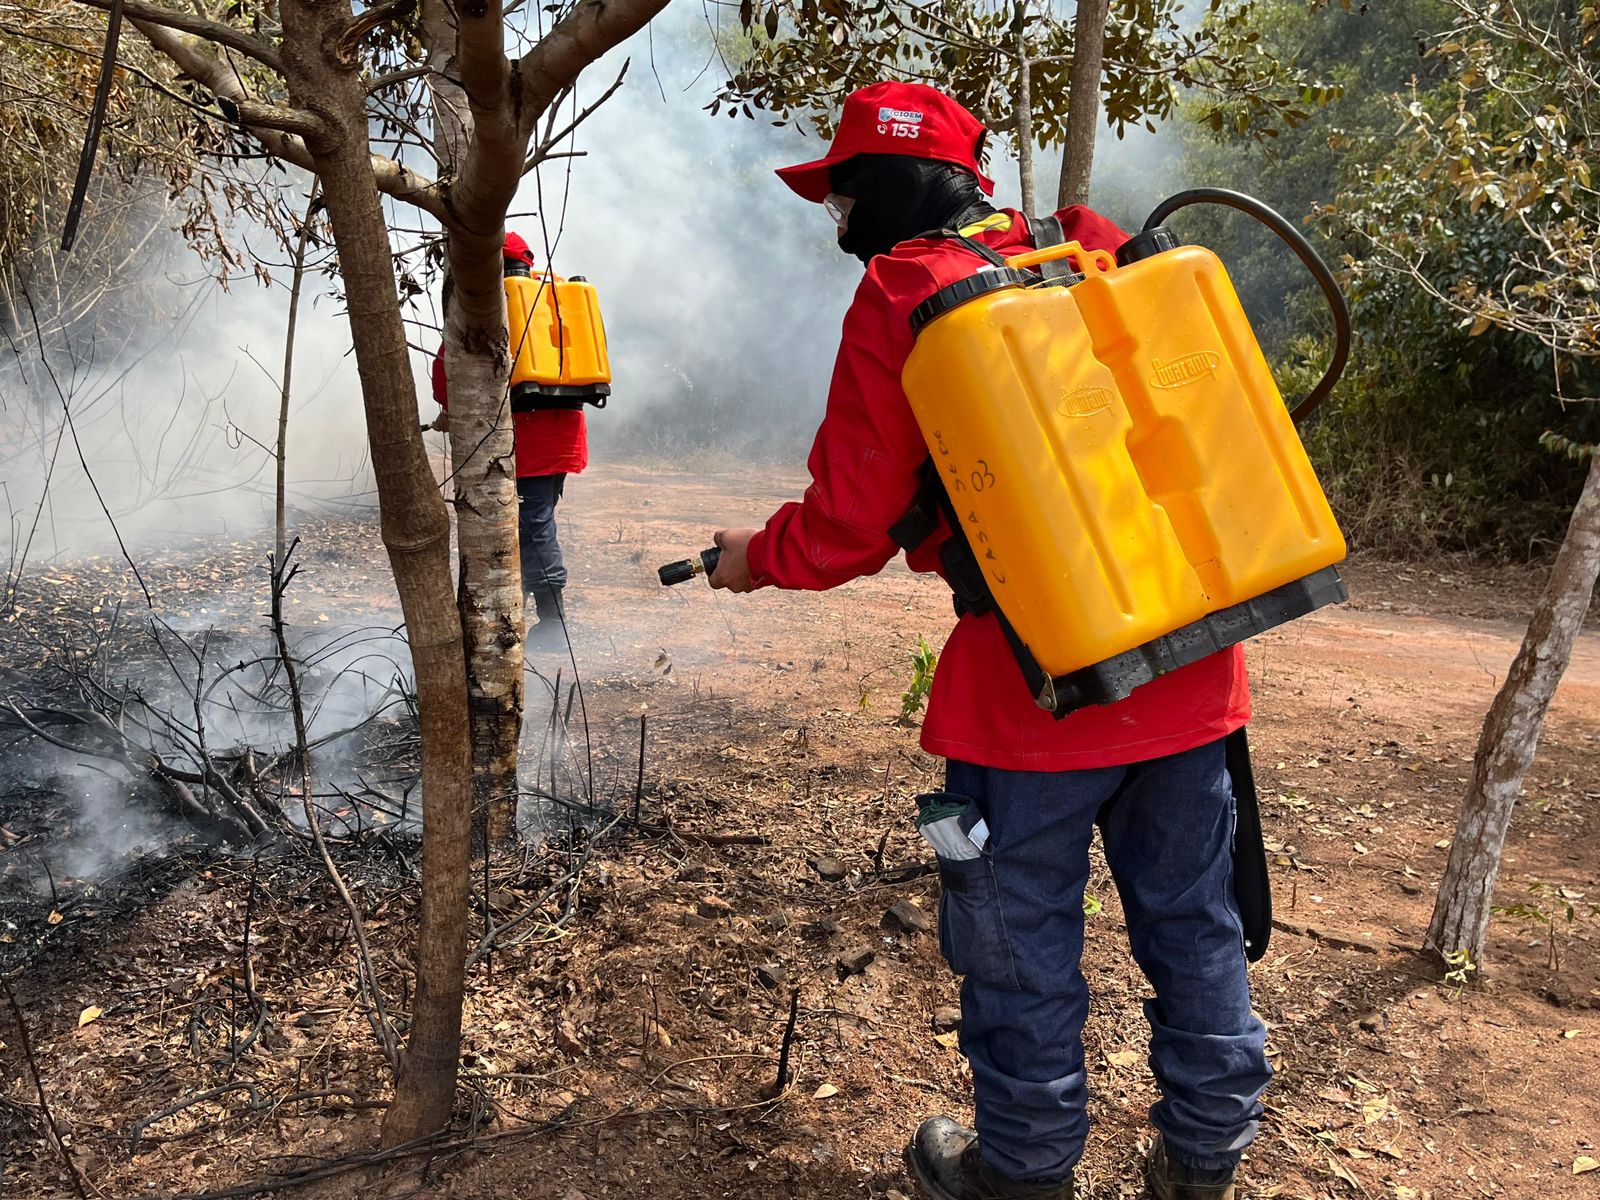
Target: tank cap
{"points": [[958, 293], [1147, 244], [515, 267]]}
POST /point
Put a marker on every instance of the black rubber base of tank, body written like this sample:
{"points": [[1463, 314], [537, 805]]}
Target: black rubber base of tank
{"points": [[1116, 677], [542, 397]]}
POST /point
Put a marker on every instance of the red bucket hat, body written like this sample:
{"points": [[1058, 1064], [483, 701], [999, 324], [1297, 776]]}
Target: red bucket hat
{"points": [[896, 118], [518, 249]]}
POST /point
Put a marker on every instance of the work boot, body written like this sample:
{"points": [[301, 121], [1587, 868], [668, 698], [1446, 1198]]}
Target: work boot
{"points": [[943, 1157], [1170, 1179], [550, 632]]}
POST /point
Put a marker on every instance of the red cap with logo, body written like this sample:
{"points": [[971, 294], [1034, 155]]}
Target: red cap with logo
{"points": [[518, 249], [896, 118]]}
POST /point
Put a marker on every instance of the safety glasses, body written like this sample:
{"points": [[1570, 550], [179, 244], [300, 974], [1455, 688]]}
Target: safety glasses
{"points": [[838, 208]]}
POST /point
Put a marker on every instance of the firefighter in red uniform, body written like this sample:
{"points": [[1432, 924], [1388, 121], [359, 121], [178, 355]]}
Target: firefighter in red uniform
{"points": [[551, 444], [1148, 770]]}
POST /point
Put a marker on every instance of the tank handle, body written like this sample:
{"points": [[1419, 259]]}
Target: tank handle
{"points": [[1090, 262]]}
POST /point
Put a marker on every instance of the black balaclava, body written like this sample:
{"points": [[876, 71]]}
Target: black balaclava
{"points": [[898, 197]]}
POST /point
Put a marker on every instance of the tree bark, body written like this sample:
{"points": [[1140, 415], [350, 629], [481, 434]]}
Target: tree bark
{"points": [[467, 47], [416, 533], [1510, 735], [1083, 102]]}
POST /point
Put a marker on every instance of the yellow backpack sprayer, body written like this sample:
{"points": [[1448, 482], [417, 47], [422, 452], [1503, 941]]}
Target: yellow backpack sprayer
{"points": [[558, 342], [1125, 487]]}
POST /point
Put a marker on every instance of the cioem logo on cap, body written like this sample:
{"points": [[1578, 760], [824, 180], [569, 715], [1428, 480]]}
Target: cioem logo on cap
{"points": [[900, 114]]}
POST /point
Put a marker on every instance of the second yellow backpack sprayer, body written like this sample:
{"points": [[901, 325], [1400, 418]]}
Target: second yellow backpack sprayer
{"points": [[1124, 486], [558, 342]]}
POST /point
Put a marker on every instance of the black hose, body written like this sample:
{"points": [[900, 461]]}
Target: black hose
{"points": [[1306, 254]]}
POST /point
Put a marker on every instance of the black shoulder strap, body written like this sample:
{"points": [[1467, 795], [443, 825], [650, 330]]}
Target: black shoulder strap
{"points": [[982, 249], [920, 521], [1047, 231]]}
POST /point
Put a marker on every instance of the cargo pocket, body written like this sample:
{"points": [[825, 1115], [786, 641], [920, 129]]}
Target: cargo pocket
{"points": [[972, 932]]}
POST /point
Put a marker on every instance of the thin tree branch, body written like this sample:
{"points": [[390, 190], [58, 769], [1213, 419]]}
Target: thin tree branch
{"points": [[543, 150], [581, 37], [79, 1183], [214, 31], [223, 82], [394, 77]]}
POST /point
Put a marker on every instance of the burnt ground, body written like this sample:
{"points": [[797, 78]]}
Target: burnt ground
{"points": [[626, 1047]]}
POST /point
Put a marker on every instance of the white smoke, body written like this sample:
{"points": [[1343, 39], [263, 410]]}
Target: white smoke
{"points": [[107, 833], [174, 439]]}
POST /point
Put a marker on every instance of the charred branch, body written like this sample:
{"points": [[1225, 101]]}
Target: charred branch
{"points": [[145, 765], [79, 1184]]}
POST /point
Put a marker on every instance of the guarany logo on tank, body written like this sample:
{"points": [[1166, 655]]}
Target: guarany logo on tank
{"points": [[1185, 369], [1085, 401]]}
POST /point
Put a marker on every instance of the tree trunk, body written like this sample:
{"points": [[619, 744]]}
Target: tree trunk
{"points": [[1025, 126], [1511, 734], [490, 595], [416, 533], [482, 443], [1083, 102]]}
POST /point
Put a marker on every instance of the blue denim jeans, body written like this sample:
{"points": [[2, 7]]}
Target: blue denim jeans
{"points": [[542, 567], [1011, 921]]}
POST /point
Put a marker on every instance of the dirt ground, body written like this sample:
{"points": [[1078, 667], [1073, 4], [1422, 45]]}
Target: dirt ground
{"points": [[628, 1049]]}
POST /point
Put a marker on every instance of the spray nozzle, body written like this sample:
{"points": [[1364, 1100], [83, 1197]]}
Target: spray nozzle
{"points": [[688, 568]]}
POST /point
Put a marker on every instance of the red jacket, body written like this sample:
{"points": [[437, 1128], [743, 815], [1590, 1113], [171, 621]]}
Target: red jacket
{"points": [[549, 442], [865, 469]]}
